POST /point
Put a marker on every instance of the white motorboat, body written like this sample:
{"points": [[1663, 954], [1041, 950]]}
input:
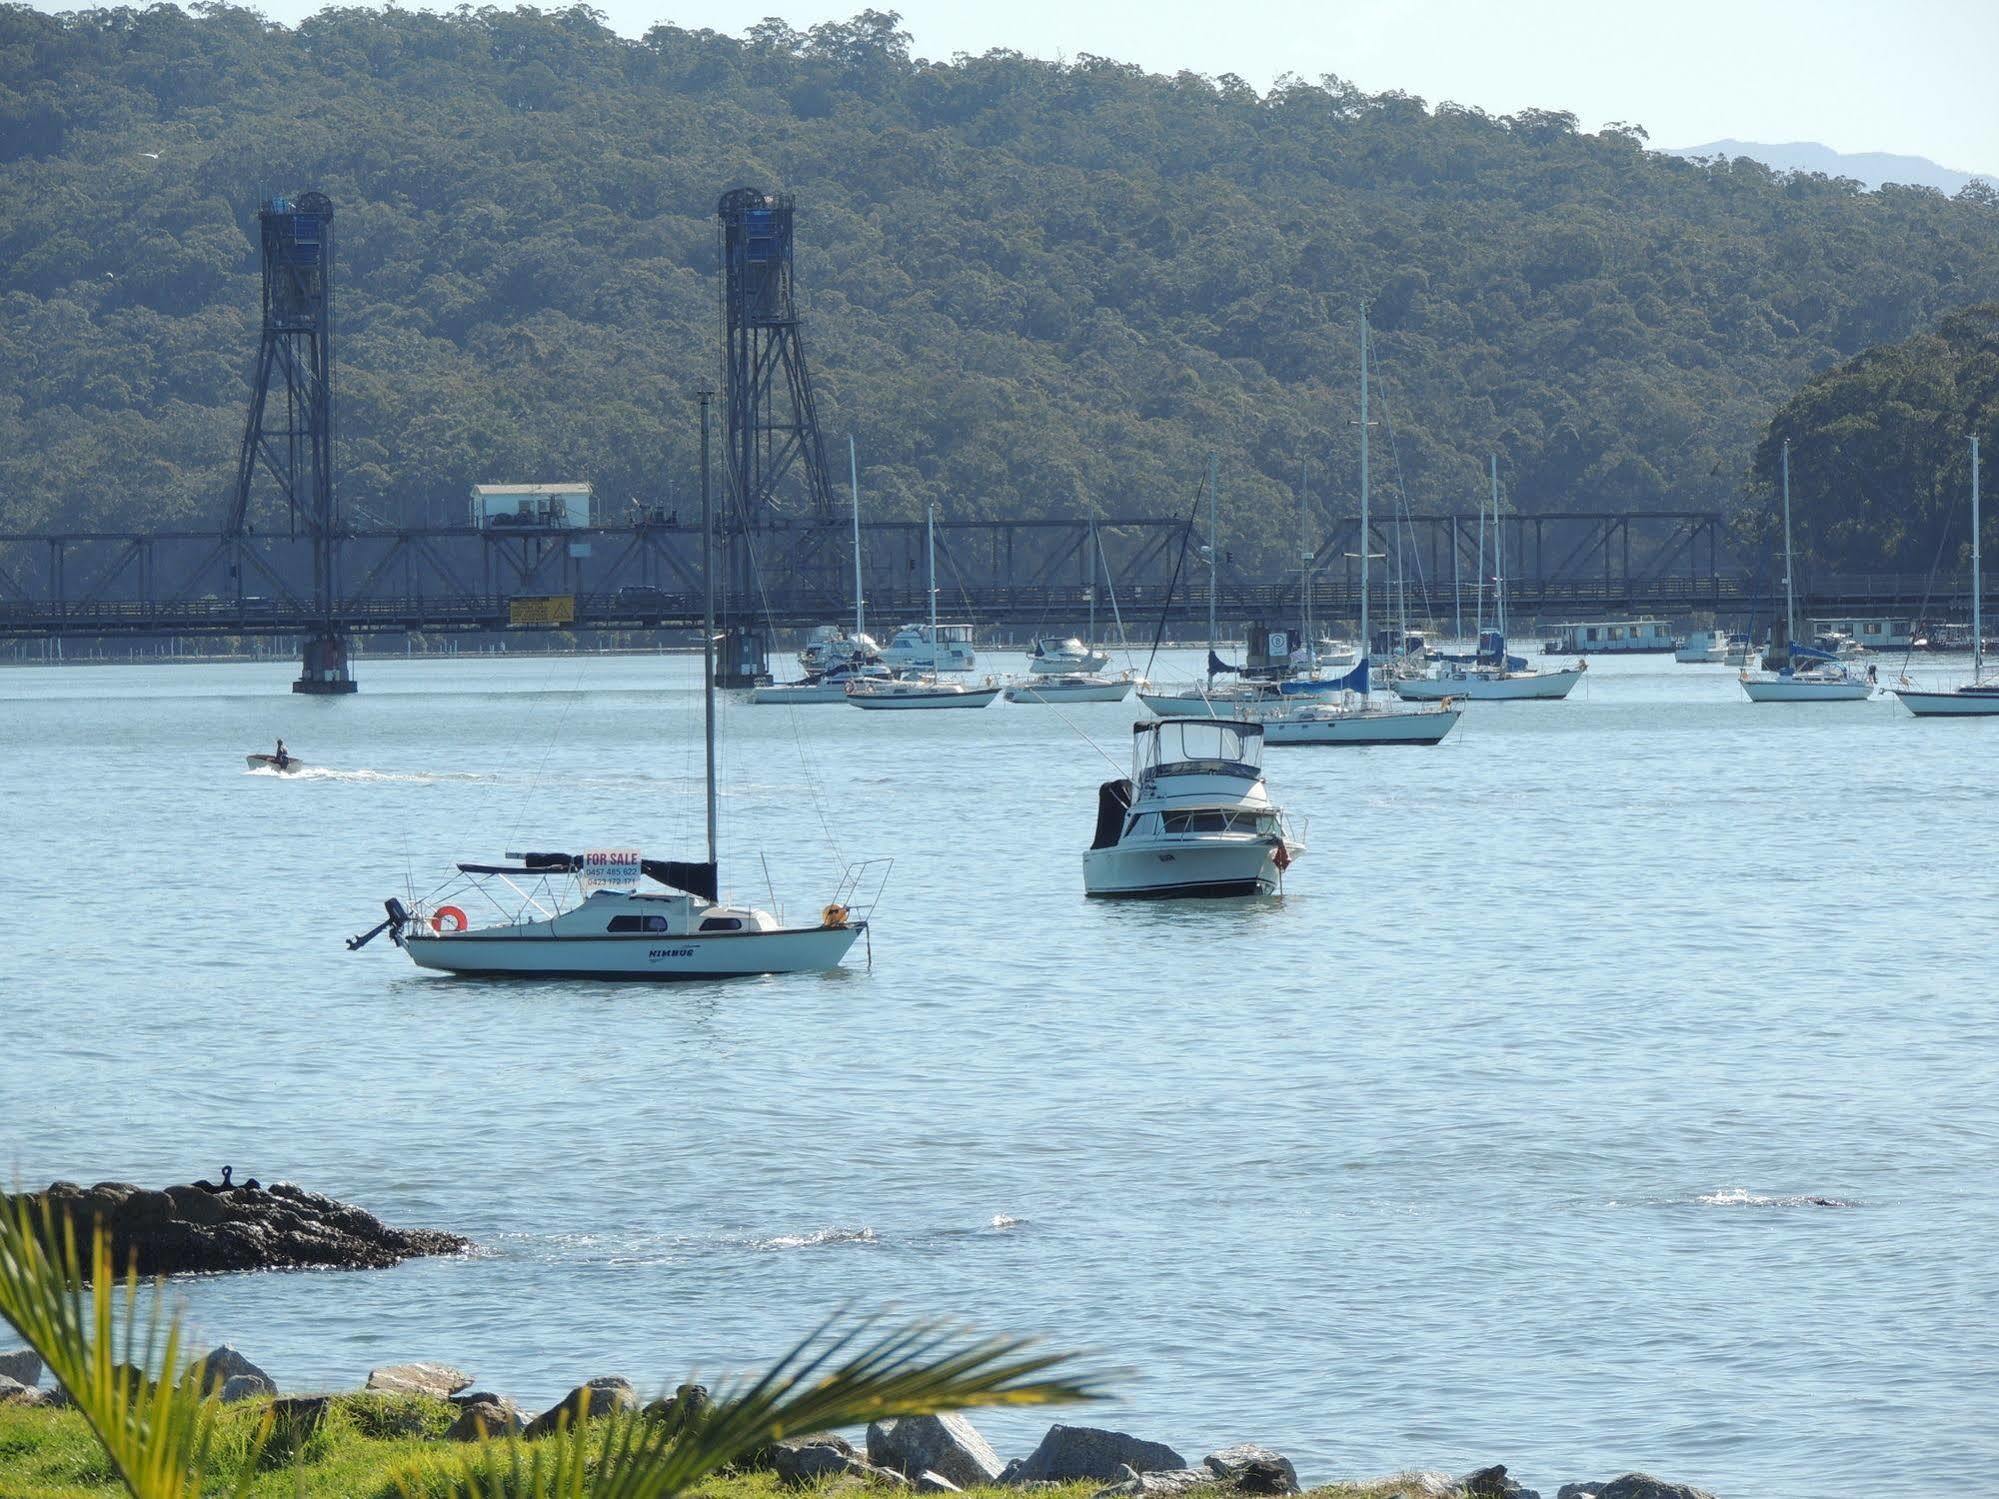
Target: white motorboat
{"points": [[1809, 674], [1978, 698], [1195, 819], [831, 646], [1703, 648], [931, 647], [829, 686], [1055, 656], [548, 915], [1070, 687]]}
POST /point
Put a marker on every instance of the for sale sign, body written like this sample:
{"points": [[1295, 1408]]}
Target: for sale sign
{"points": [[611, 868]]}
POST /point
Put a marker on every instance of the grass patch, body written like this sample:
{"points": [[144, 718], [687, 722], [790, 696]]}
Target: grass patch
{"points": [[375, 1446]]}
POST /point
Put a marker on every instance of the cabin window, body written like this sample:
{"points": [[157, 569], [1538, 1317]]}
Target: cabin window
{"points": [[1616, 632], [1590, 633], [1196, 822], [626, 924], [655, 923], [722, 924]]}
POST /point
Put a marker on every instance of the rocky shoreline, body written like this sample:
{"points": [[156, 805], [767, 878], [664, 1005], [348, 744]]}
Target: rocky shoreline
{"points": [[204, 1228], [923, 1454]]}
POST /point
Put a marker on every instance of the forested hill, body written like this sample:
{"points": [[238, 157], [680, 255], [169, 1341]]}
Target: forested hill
{"points": [[1032, 287]]}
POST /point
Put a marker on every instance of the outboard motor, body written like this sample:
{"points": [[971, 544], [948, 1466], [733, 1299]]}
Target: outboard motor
{"points": [[1113, 801], [399, 917]]}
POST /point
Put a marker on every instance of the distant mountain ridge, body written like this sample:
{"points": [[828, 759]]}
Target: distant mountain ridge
{"points": [[1875, 168]]}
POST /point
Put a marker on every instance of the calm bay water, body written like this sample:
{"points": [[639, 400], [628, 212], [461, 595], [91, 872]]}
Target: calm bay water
{"points": [[1489, 1142]]}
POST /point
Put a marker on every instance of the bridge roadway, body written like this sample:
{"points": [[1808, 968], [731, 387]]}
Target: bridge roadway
{"points": [[1028, 575]]}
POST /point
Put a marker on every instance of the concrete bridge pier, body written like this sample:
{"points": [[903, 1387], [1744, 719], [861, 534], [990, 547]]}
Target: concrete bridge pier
{"points": [[326, 672]]}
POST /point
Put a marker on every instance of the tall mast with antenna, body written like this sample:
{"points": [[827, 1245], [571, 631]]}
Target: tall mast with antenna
{"points": [[854, 488], [1366, 529], [930, 545], [1790, 594], [1977, 578], [1214, 555], [1498, 562]]}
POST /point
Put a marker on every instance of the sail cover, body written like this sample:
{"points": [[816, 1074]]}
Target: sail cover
{"points": [[1216, 664], [697, 879], [1812, 653]]}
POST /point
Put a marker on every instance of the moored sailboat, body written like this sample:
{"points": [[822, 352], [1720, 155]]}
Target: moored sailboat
{"points": [[922, 690], [1978, 698], [1808, 674], [586, 915]]}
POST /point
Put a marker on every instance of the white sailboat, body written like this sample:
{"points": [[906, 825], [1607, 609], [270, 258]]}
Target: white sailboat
{"points": [[1978, 698], [563, 915], [922, 689], [1065, 670], [1195, 819], [1353, 717], [1494, 676], [1823, 679], [833, 659]]}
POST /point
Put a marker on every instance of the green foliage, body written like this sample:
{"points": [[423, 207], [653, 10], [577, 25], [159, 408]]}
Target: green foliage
{"points": [[1032, 287], [1880, 457]]}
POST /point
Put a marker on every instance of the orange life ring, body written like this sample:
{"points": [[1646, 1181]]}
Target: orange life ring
{"points": [[458, 921]]}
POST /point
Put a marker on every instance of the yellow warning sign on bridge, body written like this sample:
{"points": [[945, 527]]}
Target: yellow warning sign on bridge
{"points": [[544, 609]]}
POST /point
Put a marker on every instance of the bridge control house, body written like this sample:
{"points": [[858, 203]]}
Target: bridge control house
{"points": [[531, 507]]}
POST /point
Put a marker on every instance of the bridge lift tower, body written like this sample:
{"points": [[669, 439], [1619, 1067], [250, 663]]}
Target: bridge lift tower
{"points": [[773, 423], [289, 436]]}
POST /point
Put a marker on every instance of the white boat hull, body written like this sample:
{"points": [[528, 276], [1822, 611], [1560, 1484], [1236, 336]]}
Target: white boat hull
{"points": [[1539, 686], [644, 956], [800, 692], [976, 697], [1372, 726], [1182, 868], [1068, 692], [1777, 690], [1194, 705], [1949, 704], [270, 762]]}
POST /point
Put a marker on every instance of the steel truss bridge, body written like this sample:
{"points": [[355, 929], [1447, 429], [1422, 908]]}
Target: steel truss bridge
{"points": [[1025, 575]]}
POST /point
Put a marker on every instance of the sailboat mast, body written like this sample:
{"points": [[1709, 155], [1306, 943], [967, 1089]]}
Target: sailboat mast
{"points": [[1304, 557], [1214, 556], [1366, 525], [1092, 641], [708, 617], [1790, 597], [1977, 578], [930, 545], [854, 486], [1498, 562]]}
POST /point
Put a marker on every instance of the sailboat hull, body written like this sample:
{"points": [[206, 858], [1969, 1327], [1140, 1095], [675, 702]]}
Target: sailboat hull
{"points": [[1779, 691], [1362, 727], [1049, 690], [647, 957], [1540, 686], [942, 697], [1980, 704]]}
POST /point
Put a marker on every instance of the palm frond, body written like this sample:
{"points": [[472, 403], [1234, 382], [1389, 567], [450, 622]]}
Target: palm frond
{"points": [[158, 1434], [828, 1380]]}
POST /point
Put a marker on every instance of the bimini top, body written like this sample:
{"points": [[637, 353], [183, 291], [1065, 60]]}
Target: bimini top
{"points": [[1197, 746]]}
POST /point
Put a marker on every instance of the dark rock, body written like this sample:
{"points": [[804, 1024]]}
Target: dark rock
{"points": [[481, 1419], [1253, 1469], [436, 1381], [220, 1365], [1426, 1483], [800, 1459], [599, 1397], [185, 1230], [1068, 1453], [947, 1445], [1644, 1486], [24, 1367], [246, 1387], [1492, 1483], [297, 1417], [472, 1396], [13, 1392], [687, 1409]]}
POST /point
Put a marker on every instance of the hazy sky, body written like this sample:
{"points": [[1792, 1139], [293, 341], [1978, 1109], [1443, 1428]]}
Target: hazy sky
{"points": [[1910, 76]]}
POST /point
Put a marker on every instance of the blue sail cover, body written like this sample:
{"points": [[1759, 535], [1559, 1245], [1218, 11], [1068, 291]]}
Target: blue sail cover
{"points": [[1217, 664], [1812, 653], [1353, 681]]}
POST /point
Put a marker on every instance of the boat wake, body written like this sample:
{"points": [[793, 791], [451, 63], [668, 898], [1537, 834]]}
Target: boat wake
{"points": [[381, 777], [1736, 1197], [817, 1239]]}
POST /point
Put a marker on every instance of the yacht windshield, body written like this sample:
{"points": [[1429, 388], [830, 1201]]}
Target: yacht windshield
{"points": [[1191, 745]]}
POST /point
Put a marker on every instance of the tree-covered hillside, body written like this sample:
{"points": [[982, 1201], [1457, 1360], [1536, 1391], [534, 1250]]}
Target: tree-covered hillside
{"points": [[1881, 457], [1032, 287]]}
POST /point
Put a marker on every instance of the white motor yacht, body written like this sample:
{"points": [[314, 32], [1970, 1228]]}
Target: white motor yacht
{"points": [[931, 647], [1070, 687], [1702, 648], [831, 646], [1054, 655], [1195, 819]]}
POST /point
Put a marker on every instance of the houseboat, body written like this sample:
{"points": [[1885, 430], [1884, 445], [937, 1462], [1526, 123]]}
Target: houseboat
{"points": [[1883, 634], [1624, 637]]}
